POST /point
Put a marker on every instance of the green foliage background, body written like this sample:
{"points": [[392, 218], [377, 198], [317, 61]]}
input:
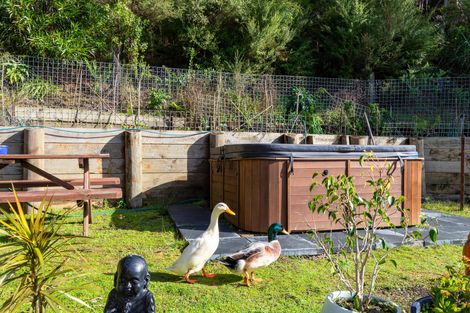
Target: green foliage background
{"points": [[340, 38]]}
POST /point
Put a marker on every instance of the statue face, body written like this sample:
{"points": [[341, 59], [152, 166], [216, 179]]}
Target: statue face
{"points": [[131, 280]]}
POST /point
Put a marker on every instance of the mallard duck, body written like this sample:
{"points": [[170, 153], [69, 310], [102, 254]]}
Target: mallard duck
{"points": [[256, 255], [199, 251]]}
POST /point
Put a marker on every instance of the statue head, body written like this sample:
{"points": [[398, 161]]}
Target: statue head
{"points": [[132, 276]]}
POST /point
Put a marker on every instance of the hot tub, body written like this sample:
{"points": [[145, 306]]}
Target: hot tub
{"points": [[266, 183]]}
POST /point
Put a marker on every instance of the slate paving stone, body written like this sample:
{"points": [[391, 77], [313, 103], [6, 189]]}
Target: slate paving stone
{"points": [[183, 215], [456, 229], [423, 231], [292, 245], [228, 246], [431, 213], [448, 237], [193, 232], [443, 217], [444, 224], [392, 237], [337, 237], [192, 220], [456, 220]]}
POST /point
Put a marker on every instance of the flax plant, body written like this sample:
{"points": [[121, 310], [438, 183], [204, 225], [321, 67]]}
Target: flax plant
{"points": [[34, 257]]}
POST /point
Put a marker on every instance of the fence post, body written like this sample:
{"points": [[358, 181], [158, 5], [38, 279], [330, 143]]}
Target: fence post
{"points": [[217, 141], [133, 159], [310, 140], [291, 138], [462, 161], [372, 92], [33, 139], [419, 143]]}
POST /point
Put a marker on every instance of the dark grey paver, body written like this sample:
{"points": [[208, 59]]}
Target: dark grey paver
{"points": [[192, 220], [186, 214], [336, 236], [443, 217], [292, 245], [193, 232], [448, 237], [392, 237], [228, 246]]}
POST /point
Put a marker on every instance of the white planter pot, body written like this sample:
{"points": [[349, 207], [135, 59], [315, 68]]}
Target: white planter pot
{"points": [[330, 305]]}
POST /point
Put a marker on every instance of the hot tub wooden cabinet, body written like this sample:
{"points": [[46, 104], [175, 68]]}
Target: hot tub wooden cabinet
{"points": [[266, 183]]}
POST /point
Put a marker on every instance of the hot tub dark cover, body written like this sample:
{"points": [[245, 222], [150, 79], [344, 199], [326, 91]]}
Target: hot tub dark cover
{"points": [[275, 150]]}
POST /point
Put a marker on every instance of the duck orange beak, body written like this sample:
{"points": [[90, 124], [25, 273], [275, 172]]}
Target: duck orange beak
{"points": [[285, 232], [228, 211]]}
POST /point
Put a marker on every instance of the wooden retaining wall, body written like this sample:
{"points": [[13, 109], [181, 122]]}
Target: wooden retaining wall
{"points": [[442, 167], [174, 165]]}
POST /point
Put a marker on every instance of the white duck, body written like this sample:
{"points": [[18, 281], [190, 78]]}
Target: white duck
{"points": [[199, 251]]}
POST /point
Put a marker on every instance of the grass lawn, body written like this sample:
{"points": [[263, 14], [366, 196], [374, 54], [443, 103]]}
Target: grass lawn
{"points": [[448, 207], [292, 284]]}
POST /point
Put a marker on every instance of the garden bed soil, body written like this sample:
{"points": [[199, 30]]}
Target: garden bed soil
{"points": [[374, 306]]}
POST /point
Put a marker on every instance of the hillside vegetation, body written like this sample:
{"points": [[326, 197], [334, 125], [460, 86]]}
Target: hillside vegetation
{"points": [[340, 38]]}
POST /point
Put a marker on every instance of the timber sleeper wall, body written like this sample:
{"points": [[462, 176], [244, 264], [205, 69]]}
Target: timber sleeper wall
{"points": [[174, 165], [152, 167], [442, 167]]}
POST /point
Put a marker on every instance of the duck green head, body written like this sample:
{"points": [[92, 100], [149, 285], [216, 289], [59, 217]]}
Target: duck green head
{"points": [[275, 229]]}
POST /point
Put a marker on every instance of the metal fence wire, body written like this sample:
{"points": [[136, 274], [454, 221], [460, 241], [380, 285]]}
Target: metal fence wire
{"points": [[43, 91]]}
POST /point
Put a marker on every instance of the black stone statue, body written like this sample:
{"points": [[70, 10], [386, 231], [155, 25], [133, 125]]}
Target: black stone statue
{"points": [[130, 293]]}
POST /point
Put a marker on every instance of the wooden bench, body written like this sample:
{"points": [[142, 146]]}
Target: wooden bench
{"points": [[76, 194], [62, 195], [80, 190], [105, 181]]}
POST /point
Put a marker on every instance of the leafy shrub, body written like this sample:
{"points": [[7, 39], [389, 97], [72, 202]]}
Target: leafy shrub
{"points": [[314, 123], [454, 56], [38, 89], [302, 102], [376, 118], [344, 118], [176, 106], [16, 73], [158, 98], [451, 294], [352, 39], [354, 122]]}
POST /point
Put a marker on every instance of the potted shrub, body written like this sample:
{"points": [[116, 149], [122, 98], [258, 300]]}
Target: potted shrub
{"points": [[451, 294], [361, 218]]}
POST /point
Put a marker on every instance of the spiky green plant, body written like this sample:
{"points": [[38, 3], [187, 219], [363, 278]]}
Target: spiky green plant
{"points": [[34, 257]]}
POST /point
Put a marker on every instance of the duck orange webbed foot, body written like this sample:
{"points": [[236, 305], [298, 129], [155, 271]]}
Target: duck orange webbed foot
{"points": [[188, 280], [246, 279], [208, 275], [254, 280]]}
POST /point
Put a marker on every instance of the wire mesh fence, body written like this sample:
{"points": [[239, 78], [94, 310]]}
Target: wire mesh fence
{"points": [[42, 91]]}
